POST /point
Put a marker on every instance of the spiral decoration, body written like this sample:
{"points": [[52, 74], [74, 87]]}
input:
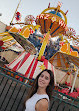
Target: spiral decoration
{"points": [[70, 32], [29, 19]]}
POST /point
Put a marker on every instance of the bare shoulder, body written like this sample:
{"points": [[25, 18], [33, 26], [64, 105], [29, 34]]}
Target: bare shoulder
{"points": [[42, 105]]}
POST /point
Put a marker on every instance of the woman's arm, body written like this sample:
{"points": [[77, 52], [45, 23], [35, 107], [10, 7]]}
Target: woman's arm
{"points": [[42, 105]]}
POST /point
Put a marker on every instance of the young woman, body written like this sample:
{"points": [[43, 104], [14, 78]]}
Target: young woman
{"points": [[41, 92]]}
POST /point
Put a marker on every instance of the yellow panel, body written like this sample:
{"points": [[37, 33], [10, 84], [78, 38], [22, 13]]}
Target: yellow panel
{"points": [[7, 38], [45, 41], [25, 33], [22, 30], [74, 53], [4, 34], [64, 48], [13, 29]]}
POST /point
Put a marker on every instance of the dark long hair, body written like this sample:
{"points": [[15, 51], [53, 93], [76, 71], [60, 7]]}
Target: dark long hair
{"points": [[49, 88]]}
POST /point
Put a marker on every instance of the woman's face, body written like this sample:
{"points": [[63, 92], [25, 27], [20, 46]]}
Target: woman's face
{"points": [[44, 79]]}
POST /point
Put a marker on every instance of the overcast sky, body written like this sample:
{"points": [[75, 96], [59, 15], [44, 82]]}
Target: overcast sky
{"points": [[35, 7]]}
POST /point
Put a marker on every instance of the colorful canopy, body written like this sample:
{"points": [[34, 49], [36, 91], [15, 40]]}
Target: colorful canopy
{"points": [[51, 19], [28, 66], [53, 22], [61, 59]]}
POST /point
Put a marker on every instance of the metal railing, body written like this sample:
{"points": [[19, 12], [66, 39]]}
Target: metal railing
{"points": [[13, 93], [62, 102]]}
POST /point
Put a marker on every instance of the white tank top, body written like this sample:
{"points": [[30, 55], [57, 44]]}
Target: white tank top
{"points": [[30, 103]]}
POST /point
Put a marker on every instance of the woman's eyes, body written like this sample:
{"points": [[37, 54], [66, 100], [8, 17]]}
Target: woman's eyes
{"points": [[45, 77], [42, 75]]}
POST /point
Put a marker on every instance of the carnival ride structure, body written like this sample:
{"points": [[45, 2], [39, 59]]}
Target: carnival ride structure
{"points": [[67, 60], [21, 37], [51, 24]]}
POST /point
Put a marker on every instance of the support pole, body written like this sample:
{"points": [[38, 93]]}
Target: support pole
{"points": [[74, 80], [54, 76], [45, 41]]}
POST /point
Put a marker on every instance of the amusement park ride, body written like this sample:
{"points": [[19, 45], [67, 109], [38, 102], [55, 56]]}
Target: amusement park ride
{"points": [[52, 22]]}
